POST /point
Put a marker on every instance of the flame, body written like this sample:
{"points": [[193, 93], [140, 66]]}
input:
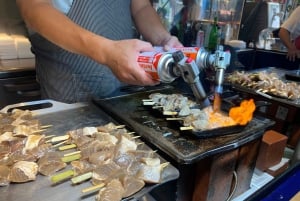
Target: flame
{"points": [[243, 113], [218, 119]]}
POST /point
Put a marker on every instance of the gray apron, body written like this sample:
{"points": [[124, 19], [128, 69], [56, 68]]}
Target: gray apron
{"points": [[69, 77]]}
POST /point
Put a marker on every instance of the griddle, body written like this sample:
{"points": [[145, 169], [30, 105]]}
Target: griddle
{"points": [[65, 117], [163, 134]]}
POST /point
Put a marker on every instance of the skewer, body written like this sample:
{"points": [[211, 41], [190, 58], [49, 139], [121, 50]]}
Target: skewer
{"points": [[49, 136], [46, 126], [184, 128], [62, 176], [163, 165], [58, 138], [141, 143], [175, 118], [72, 153], [135, 137], [66, 147], [147, 100], [170, 113], [92, 188], [149, 103], [81, 178], [157, 107], [70, 158], [38, 131], [60, 143], [130, 133], [120, 126]]}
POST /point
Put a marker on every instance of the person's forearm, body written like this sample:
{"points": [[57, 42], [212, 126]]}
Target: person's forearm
{"points": [[41, 17], [148, 23], [284, 35]]}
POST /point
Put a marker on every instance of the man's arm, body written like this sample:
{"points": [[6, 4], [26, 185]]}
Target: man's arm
{"points": [[120, 56], [149, 24], [293, 53]]}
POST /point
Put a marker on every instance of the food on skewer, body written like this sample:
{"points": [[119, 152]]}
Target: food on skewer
{"points": [[113, 191], [23, 171], [267, 83], [107, 155], [4, 175], [50, 163]]}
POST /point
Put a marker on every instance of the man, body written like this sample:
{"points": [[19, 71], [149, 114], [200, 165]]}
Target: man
{"points": [[289, 33], [87, 48]]}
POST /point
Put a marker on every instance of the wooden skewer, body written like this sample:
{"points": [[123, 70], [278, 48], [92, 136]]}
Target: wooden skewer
{"points": [[49, 136], [72, 153], [46, 126], [81, 178], [58, 138], [170, 113], [141, 143], [62, 176], [66, 147], [38, 131], [71, 158], [92, 188], [147, 100], [60, 143], [149, 103], [184, 128], [157, 107], [120, 126], [130, 133], [135, 137], [163, 165], [175, 118]]}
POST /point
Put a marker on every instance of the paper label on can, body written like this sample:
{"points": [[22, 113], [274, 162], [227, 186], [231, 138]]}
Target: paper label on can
{"points": [[149, 62]]}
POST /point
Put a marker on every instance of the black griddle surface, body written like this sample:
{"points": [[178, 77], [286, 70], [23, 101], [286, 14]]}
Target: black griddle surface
{"points": [[155, 129]]}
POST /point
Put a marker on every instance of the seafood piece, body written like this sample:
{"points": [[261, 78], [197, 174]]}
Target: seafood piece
{"points": [[96, 146], [113, 191], [78, 138], [104, 172], [32, 142], [82, 166], [23, 171], [131, 185], [7, 137], [89, 130], [150, 174], [124, 145], [4, 175], [50, 163]]}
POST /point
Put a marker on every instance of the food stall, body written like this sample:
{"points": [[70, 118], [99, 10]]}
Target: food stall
{"points": [[210, 164]]}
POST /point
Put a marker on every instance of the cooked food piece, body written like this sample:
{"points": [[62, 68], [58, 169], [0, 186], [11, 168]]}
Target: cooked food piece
{"points": [[101, 136], [82, 166], [89, 130], [171, 102], [109, 127], [4, 175], [134, 167], [40, 150], [113, 191], [7, 137], [131, 185], [24, 114], [23, 171], [151, 161], [266, 82], [124, 145], [23, 131], [124, 160], [138, 154], [104, 172], [33, 141], [50, 163], [150, 174], [78, 138], [96, 146], [101, 157], [198, 119]]}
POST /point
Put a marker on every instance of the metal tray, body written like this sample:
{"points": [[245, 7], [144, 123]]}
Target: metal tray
{"points": [[220, 131], [66, 117], [163, 134]]}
